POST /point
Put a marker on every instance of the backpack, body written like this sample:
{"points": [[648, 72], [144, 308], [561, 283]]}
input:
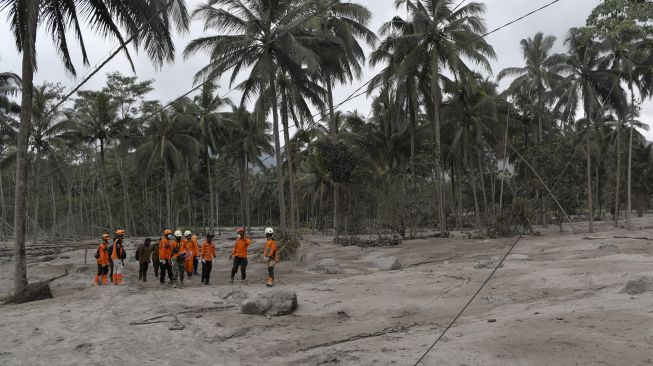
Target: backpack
{"points": [[97, 254]]}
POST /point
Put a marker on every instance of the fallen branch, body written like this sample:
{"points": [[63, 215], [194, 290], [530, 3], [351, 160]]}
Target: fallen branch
{"points": [[200, 310], [34, 291], [431, 261], [617, 237], [399, 329]]}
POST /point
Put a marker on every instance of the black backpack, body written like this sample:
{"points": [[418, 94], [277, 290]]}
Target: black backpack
{"points": [[97, 254]]}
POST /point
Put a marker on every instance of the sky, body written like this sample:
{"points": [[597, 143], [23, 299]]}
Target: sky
{"points": [[173, 80]]}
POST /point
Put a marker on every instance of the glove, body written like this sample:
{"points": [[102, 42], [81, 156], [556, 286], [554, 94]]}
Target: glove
{"points": [[203, 260], [266, 258]]}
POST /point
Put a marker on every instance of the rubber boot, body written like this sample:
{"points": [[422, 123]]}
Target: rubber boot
{"points": [[105, 281], [270, 282], [114, 279], [120, 280], [144, 276], [95, 281]]}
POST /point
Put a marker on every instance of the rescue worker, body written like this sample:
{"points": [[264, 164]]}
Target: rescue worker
{"points": [[155, 258], [102, 260], [118, 255], [270, 255], [208, 253], [179, 253], [197, 254], [239, 254], [143, 254], [165, 256], [192, 254]]}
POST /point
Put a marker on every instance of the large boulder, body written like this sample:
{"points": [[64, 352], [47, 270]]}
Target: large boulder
{"points": [[387, 263], [274, 303], [638, 285], [328, 266]]}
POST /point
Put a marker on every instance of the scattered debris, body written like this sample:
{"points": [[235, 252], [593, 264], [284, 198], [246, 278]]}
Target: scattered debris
{"points": [[491, 320], [34, 291], [638, 286], [607, 246], [329, 266], [366, 241], [488, 263], [342, 315]]}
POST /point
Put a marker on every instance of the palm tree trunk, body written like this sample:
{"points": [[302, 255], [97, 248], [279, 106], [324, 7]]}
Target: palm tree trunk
{"points": [[35, 224], [241, 171], [3, 208], [28, 46], [617, 175], [248, 211], [590, 211], [435, 94], [211, 200], [630, 152], [477, 210], [483, 191], [277, 153], [168, 179], [289, 155], [333, 131]]}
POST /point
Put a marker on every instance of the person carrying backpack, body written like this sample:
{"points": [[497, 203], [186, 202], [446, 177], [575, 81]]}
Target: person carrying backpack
{"points": [[118, 256], [102, 260]]}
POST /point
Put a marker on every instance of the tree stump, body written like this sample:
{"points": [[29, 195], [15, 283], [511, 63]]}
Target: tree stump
{"points": [[34, 291]]}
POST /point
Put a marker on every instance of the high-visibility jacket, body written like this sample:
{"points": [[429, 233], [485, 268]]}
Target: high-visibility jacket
{"points": [[270, 249], [179, 248], [193, 248], [118, 251], [195, 245], [208, 251], [165, 251], [240, 248], [103, 260]]}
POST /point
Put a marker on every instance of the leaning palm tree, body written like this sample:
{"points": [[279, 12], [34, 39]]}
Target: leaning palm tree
{"points": [[445, 36], [169, 139], [266, 37], [587, 86], [148, 23]]}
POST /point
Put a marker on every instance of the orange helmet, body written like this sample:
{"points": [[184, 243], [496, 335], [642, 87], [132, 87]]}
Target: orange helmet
{"points": [[240, 230], [105, 236], [167, 232], [120, 232]]}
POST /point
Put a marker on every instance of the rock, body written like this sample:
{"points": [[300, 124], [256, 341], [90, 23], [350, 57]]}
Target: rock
{"points": [[282, 303], [638, 285], [387, 264], [488, 263], [328, 266], [255, 306], [491, 320], [277, 303], [230, 293], [33, 292]]}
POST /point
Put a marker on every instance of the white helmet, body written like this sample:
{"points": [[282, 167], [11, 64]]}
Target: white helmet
{"points": [[187, 233], [178, 234], [269, 230]]}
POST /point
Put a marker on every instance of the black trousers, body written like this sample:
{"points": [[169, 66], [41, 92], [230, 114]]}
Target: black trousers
{"points": [[162, 271], [156, 265], [111, 270], [102, 270], [206, 271], [142, 271], [195, 263], [242, 263]]}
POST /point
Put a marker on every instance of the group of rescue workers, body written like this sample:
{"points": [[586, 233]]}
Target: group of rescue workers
{"points": [[177, 255]]}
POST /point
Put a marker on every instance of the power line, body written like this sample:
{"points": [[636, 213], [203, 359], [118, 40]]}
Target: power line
{"points": [[469, 301]]}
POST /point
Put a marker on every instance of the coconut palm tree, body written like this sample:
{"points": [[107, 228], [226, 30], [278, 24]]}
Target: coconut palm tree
{"points": [[169, 139], [589, 87], [266, 37], [445, 36], [147, 22]]}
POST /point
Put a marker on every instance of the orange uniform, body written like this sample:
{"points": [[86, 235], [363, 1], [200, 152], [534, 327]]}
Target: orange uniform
{"points": [[165, 251], [270, 249], [240, 248], [179, 248], [208, 251], [103, 260], [193, 251]]}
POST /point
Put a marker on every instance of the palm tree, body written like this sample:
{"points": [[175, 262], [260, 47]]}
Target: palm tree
{"points": [[148, 23], [538, 76], [266, 37], [588, 86], [9, 86], [250, 140], [445, 35], [214, 130], [169, 139], [347, 22]]}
